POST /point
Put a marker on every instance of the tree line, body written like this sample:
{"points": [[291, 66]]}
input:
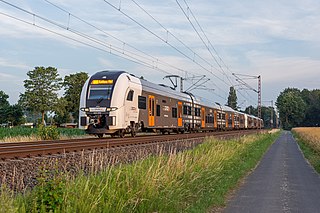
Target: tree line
{"points": [[295, 107], [299, 107], [41, 97]]}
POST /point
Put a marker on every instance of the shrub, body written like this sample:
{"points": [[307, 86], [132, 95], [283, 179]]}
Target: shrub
{"points": [[48, 133]]}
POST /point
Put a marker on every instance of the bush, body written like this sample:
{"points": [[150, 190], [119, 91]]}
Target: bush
{"points": [[48, 133]]}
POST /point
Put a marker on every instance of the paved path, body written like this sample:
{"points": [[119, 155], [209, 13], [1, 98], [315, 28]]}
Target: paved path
{"points": [[283, 182]]}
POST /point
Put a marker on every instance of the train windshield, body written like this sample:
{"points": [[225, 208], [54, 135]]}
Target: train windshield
{"points": [[97, 92]]}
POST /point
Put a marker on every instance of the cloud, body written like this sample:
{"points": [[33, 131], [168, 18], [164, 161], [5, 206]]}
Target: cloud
{"points": [[13, 64]]}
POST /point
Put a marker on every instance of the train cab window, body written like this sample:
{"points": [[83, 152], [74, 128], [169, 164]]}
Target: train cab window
{"points": [[158, 110], [130, 95], [142, 102], [174, 112], [99, 91]]}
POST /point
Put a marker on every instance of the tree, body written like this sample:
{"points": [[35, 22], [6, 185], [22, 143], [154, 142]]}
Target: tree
{"points": [[291, 108], [4, 104], [232, 98], [41, 90], [73, 85], [312, 113]]}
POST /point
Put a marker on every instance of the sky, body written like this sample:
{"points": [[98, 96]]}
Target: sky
{"points": [[203, 41]]}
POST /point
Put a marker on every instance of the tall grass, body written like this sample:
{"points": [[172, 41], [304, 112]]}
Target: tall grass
{"points": [[192, 181], [309, 142], [17, 134]]}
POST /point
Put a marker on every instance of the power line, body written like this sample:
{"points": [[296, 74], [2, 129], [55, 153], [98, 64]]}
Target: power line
{"points": [[114, 37], [163, 40]]}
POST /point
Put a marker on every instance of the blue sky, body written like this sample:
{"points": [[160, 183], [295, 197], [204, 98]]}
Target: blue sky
{"points": [[278, 40]]}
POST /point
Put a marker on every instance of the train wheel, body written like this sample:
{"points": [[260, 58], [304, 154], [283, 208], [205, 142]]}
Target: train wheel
{"points": [[133, 132], [121, 133], [100, 135]]}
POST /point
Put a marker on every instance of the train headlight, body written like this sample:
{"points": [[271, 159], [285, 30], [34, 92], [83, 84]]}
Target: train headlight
{"points": [[84, 109], [112, 109]]}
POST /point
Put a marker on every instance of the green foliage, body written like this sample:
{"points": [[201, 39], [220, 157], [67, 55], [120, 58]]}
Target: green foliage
{"points": [[48, 133], [41, 90], [291, 108], [232, 98], [9, 113], [68, 110], [191, 181], [16, 132], [48, 194], [312, 113]]}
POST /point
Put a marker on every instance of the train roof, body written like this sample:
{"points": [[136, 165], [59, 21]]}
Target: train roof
{"points": [[163, 90]]}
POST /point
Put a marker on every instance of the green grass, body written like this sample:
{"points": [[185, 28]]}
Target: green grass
{"points": [[192, 181], [309, 152], [16, 134]]}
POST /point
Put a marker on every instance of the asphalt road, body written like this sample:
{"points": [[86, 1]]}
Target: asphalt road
{"points": [[282, 182]]}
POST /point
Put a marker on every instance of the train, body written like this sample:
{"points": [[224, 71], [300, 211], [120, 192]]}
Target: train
{"points": [[117, 103]]}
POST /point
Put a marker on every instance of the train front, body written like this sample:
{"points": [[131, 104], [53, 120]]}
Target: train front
{"points": [[96, 112]]}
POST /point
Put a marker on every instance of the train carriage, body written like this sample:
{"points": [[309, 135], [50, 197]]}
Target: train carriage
{"points": [[117, 103]]}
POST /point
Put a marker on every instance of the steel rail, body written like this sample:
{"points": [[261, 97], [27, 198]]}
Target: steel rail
{"points": [[43, 148]]}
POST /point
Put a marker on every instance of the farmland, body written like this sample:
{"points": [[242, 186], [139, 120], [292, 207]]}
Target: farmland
{"points": [[309, 141]]}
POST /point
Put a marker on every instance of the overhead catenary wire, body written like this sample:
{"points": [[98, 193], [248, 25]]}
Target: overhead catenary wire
{"points": [[114, 37], [102, 46], [210, 44], [163, 40]]}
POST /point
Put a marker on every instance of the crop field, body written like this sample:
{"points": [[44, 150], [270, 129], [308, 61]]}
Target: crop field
{"points": [[18, 134], [191, 181], [309, 141]]}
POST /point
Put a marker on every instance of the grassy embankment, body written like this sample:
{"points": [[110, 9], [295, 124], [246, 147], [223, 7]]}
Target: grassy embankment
{"points": [[191, 181], [17, 134], [309, 142]]}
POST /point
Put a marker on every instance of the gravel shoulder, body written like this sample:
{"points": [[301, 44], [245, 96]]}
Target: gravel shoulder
{"points": [[283, 182]]}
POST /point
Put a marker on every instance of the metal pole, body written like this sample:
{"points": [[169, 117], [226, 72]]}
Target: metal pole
{"points": [[259, 99], [271, 116]]}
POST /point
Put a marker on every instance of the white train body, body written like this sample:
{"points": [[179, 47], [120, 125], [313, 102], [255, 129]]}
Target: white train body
{"points": [[116, 103]]}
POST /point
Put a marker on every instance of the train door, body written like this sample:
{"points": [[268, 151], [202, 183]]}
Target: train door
{"points": [[215, 123], [179, 114], [227, 119], [203, 120], [151, 110]]}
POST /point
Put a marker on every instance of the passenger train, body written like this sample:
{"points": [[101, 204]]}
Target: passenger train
{"points": [[117, 103]]}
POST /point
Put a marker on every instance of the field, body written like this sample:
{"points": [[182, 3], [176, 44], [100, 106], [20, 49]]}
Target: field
{"points": [[191, 181], [309, 141], [18, 134]]}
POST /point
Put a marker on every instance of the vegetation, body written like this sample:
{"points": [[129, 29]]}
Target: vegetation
{"points": [[30, 134], [291, 107], [232, 98], [42, 88], [9, 114], [192, 181], [309, 142], [69, 110]]}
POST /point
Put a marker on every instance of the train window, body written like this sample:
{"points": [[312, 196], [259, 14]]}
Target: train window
{"points": [[185, 110], [142, 102], [130, 95], [197, 111], [164, 101], [174, 112], [99, 91], [189, 110], [158, 110]]}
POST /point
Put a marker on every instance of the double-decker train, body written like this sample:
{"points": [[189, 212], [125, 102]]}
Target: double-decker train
{"points": [[118, 103]]}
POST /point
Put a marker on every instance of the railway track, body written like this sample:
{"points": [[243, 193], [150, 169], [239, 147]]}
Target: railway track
{"points": [[44, 148]]}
